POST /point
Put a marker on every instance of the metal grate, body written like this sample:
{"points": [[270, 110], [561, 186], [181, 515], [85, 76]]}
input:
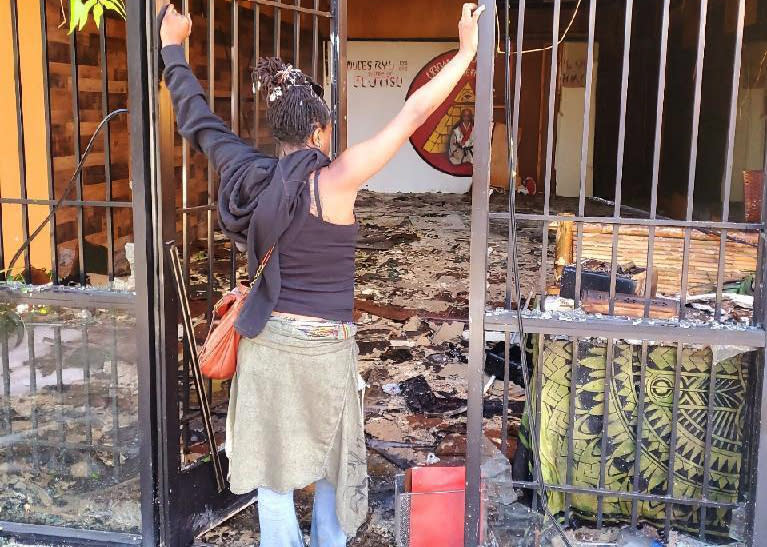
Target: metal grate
{"points": [[578, 327]]}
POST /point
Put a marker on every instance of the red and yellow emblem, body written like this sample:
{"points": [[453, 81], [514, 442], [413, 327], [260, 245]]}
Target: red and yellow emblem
{"points": [[446, 140]]}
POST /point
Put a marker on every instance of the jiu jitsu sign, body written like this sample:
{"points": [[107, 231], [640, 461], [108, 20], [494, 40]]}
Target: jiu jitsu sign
{"points": [[446, 140]]}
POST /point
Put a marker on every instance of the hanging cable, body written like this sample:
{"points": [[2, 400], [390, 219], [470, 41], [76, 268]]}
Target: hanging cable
{"points": [[532, 419], [68, 189], [540, 49]]}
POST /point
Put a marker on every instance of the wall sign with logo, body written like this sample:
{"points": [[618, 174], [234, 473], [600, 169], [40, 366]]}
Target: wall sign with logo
{"points": [[381, 76], [446, 140]]}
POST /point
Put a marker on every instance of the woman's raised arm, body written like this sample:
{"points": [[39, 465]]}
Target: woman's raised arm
{"points": [[360, 162]]}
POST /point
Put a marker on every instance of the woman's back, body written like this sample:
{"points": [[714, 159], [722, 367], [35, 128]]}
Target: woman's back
{"points": [[317, 266]]}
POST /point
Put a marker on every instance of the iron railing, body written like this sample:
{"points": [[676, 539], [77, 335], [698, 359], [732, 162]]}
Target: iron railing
{"points": [[580, 328], [89, 322]]}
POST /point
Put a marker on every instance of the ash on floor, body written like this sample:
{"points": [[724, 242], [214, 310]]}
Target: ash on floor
{"points": [[412, 309]]}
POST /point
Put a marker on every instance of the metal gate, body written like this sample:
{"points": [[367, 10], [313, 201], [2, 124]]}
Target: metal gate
{"points": [[236, 34], [100, 430], [578, 327]]}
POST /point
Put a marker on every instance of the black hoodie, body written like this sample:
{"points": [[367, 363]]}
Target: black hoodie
{"points": [[259, 195]]}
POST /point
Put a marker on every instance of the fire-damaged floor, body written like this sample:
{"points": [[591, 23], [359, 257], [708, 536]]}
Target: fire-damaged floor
{"points": [[412, 310]]}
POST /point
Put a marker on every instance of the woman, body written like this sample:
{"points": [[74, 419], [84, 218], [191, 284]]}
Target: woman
{"points": [[294, 418]]}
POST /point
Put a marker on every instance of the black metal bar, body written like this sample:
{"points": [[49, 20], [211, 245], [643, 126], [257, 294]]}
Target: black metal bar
{"points": [[66, 203], [585, 147], [4, 355], [114, 393], [758, 472], [605, 426], [661, 97], [477, 294], [235, 110], [315, 42], [140, 74], [623, 494], [22, 155], [707, 450], [505, 410], [62, 422], [76, 152], [67, 446], [211, 174], [59, 295], [513, 128], [88, 392], [639, 428], [256, 56], [186, 322], [693, 153], [621, 145], [629, 221], [296, 34], [571, 426], [277, 28], [617, 327], [673, 440], [536, 429], [727, 176], [185, 256], [33, 417], [91, 538], [291, 7], [48, 146], [549, 149], [107, 148], [185, 159], [338, 83]]}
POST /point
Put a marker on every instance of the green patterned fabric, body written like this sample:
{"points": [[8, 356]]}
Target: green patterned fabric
{"points": [[623, 401]]}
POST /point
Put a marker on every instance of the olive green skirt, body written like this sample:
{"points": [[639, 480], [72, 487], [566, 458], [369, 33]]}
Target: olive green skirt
{"points": [[295, 418]]}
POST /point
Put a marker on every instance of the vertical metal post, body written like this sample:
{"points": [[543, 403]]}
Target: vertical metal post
{"points": [[727, 175], [296, 34], [338, 86], [48, 154], [512, 132], [661, 97], [315, 41], [585, 147], [477, 290], [693, 156], [141, 136], [76, 152], [621, 145], [549, 148], [235, 109], [22, 157], [107, 147]]}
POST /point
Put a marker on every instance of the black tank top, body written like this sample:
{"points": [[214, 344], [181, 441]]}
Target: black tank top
{"points": [[317, 267]]}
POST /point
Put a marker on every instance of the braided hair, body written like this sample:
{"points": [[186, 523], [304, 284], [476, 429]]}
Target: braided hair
{"points": [[295, 107]]}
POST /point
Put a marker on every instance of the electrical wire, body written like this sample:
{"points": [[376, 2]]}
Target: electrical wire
{"points": [[540, 49], [532, 419], [68, 189]]}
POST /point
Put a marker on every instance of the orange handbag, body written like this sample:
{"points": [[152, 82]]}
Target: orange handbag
{"points": [[218, 356]]}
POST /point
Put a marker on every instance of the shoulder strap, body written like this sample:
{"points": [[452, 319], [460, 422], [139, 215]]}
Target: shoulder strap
{"points": [[262, 264], [317, 193]]}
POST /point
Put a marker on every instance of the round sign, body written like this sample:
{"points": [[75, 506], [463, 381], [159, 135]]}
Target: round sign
{"points": [[446, 140]]}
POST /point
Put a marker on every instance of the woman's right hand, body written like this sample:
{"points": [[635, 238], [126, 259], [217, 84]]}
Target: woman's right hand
{"points": [[468, 29], [175, 27]]}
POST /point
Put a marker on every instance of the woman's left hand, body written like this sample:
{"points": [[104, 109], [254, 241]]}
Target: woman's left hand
{"points": [[468, 29]]}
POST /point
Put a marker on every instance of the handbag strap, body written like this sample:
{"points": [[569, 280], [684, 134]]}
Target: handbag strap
{"points": [[262, 265]]}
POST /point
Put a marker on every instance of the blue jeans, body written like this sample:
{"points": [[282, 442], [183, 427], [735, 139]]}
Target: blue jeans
{"points": [[279, 525]]}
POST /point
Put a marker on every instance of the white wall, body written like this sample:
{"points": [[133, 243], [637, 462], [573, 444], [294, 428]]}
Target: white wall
{"points": [[567, 158], [370, 107]]}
